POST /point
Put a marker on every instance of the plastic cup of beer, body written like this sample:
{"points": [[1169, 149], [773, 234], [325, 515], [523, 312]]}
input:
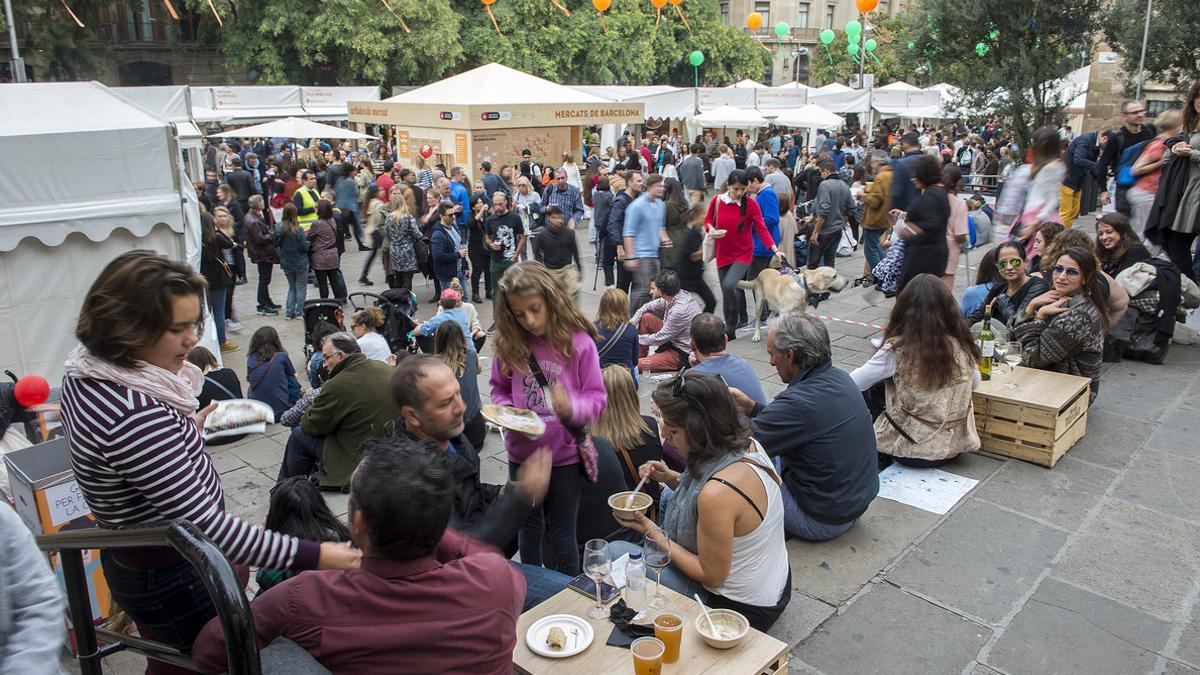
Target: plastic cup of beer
{"points": [[668, 627], [647, 656]]}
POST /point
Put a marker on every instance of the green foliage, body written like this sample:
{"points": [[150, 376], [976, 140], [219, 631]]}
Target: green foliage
{"points": [[1173, 50], [886, 31], [1022, 60], [68, 52]]}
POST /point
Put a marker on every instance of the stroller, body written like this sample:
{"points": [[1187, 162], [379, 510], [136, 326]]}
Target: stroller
{"points": [[315, 312], [399, 305]]}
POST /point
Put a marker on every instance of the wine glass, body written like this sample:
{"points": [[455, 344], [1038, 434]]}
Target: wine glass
{"points": [[656, 550], [1013, 359], [999, 350], [596, 559]]}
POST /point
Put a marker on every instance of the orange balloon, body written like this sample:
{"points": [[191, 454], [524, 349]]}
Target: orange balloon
{"points": [[488, 2], [865, 6], [754, 20], [676, 2], [658, 4], [601, 5]]}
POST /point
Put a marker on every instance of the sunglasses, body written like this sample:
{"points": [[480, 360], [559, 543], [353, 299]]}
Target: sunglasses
{"points": [[1069, 271], [1011, 262]]}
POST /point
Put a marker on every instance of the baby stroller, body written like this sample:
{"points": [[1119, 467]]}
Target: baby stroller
{"points": [[315, 312], [399, 305]]}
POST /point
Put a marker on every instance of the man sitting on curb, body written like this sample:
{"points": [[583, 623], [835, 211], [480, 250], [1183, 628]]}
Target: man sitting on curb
{"points": [[671, 333], [709, 356]]}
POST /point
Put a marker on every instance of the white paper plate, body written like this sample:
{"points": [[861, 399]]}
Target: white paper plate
{"points": [[535, 637], [258, 428]]}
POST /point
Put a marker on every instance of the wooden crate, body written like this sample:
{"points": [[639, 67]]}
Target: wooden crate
{"points": [[1036, 421]]}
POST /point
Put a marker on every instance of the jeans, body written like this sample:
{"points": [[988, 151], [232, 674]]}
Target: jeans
{"points": [[170, 605], [264, 285], [303, 454], [800, 524], [216, 305], [646, 270], [672, 578], [541, 584], [297, 293], [733, 303], [872, 249], [608, 258], [552, 523], [825, 252], [327, 278]]}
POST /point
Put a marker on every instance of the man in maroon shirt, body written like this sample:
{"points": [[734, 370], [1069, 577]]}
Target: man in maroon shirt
{"points": [[426, 600]]}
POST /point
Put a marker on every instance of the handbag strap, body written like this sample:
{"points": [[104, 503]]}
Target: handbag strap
{"points": [[220, 386], [577, 432], [263, 377]]}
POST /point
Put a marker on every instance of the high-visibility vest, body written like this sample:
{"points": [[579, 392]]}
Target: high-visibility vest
{"points": [[308, 200]]}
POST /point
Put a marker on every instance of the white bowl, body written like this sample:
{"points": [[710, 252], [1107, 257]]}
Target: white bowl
{"points": [[641, 503], [733, 626]]}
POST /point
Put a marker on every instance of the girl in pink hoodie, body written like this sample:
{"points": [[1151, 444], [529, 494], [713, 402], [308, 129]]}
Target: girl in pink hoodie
{"points": [[536, 320]]}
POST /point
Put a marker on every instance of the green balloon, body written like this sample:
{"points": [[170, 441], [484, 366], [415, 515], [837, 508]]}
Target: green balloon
{"points": [[912, 45], [782, 29], [981, 49], [827, 36], [993, 34], [852, 49], [871, 45], [696, 58], [853, 28]]}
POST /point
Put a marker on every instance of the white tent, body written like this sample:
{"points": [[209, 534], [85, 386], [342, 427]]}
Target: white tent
{"points": [[170, 103], [246, 105], [898, 85], [839, 98], [293, 127], [727, 116], [748, 84], [329, 103], [495, 84], [61, 222], [793, 85], [781, 98], [661, 101], [809, 117]]}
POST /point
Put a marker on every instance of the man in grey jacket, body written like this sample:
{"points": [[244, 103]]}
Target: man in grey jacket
{"points": [[832, 207], [31, 605], [691, 174]]}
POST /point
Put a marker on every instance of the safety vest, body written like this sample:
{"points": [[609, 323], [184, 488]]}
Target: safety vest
{"points": [[308, 200]]}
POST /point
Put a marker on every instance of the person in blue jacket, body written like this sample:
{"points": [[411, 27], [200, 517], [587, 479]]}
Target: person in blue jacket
{"points": [[446, 244]]}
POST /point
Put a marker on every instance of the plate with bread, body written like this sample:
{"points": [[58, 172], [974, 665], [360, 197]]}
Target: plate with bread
{"points": [[559, 635], [237, 416]]}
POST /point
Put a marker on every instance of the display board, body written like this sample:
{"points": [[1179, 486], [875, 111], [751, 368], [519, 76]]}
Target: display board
{"points": [[504, 146]]}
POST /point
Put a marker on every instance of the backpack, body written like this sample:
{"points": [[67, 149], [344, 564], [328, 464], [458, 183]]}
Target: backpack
{"points": [[965, 156], [1125, 177]]}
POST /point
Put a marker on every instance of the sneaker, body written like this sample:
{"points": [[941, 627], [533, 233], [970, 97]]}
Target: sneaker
{"points": [[269, 311], [275, 306], [491, 329], [228, 346], [476, 299], [232, 325], [363, 281], [242, 281]]}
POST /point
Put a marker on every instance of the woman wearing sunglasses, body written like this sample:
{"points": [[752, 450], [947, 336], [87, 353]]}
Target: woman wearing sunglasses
{"points": [[1063, 329], [1015, 285]]}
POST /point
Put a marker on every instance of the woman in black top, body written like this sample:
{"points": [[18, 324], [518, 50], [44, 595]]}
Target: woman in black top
{"points": [[1016, 285], [1119, 247], [481, 265], [925, 249], [220, 384], [690, 263]]}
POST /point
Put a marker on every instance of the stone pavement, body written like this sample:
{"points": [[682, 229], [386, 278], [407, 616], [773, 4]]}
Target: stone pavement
{"points": [[1090, 567]]}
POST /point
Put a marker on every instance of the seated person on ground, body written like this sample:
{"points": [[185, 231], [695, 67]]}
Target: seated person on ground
{"points": [[427, 599], [618, 341], [709, 356], [1013, 289], [670, 333], [929, 362], [297, 508], [354, 404], [366, 324], [270, 373], [220, 384], [818, 431], [725, 514], [317, 374], [1110, 296]]}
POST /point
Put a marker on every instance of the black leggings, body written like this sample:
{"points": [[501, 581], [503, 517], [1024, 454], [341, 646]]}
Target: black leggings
{"points": [[376, 241], [1179, 250], [327, 278], [551, 524], [481, 267], [400, 280]]}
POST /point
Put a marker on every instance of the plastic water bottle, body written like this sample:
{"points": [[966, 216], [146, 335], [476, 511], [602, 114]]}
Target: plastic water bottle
{"points": [[635, 579]]}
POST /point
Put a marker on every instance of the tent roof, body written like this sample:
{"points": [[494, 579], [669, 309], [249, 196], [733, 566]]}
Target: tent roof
{"points": [[913, 112], [748, 84], [811, 116], [834, 88], [292, 127], [729, 116], [495, 84], [55, 107], [793, 85], [899, 86]]}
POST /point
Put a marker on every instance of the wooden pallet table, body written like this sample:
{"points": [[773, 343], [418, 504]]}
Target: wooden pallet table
{"points": [[1037, 419]]}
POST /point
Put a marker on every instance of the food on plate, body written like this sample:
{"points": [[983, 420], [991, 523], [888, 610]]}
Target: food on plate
{"points": [[234, 415], [556, 639], [523, 421]]}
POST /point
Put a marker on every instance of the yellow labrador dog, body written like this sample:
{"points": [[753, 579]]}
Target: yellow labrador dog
{"points": [[780, 290]]}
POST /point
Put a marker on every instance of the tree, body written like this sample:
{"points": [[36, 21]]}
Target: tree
{"points": [[1173, 50], [68, 52], [1027, 45], [885, 30]]}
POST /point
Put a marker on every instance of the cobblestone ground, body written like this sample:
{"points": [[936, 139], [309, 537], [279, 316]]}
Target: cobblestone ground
{"points": [[1090, 567]]}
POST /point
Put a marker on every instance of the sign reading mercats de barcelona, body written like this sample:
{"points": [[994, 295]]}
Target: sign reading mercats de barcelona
{"points": [[493, 116]]}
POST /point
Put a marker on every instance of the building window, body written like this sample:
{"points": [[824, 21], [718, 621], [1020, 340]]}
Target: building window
{"points": [[802, 16], [763, 7], [725, 12], [1156, 108], [829, 17]]}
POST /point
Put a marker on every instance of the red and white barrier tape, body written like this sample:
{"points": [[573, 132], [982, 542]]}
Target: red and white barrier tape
{"points": [[849, 321]]}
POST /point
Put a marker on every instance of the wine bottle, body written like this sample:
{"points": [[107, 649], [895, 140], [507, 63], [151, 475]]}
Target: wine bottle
{"points": [[987, 345]]}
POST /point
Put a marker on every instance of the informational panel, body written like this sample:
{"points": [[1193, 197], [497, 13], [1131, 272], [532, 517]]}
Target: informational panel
{"points": [[504, 146]]}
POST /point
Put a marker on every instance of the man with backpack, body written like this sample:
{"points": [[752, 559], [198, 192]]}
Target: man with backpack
{"points": [[1082, 166], [1133, 131]]}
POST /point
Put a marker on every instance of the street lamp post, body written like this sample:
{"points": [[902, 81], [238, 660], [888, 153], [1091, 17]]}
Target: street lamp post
{"points": [[18, 64], [1145, 40]]}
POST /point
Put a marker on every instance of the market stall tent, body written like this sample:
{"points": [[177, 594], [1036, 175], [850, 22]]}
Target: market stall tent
{"points": [[809, 117], [839, 98], [293, 127], [727, 116], [61, 222], [748, 84]]}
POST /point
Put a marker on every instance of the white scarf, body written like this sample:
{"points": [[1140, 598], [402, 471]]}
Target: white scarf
{"points": [[176, 390]]}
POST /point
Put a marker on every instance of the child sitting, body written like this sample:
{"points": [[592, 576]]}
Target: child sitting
{"points": [[297, 508]]}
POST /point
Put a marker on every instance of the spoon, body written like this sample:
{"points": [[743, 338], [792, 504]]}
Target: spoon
{"points": [[711, 626], [629, 499]]}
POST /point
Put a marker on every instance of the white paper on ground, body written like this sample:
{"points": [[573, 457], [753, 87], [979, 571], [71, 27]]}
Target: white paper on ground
{"points": [[617, 571], [931, 490]]}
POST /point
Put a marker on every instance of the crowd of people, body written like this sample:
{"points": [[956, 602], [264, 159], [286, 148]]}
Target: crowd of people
{"points": [[425, 555]]}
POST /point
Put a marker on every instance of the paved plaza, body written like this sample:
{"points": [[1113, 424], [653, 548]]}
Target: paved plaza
{"points": [[1090, 567]]}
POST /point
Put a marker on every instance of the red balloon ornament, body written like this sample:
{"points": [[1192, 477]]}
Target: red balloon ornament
{"points": [[32, 390], [426, 151]]}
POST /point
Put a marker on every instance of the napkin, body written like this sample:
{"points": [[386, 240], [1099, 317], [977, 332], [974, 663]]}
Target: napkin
{"points": [[624, 630]]}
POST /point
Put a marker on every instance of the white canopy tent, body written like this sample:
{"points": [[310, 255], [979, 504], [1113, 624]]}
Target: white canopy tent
{"points": [[495, 84], [61, 223], [329, 103], [246, 105], [748, 84], [293, 127], [839, 98], [727, 116], [809, 117], [898, 85], [170, 103]]}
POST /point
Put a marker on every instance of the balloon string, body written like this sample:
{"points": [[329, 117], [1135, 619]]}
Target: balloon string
{"points": [[602, 24], [402, 24], [68, 8], [215, 13], [829, 54], [658, 19], [558, 5], [496, 25], [685, 21], [171, 10], [875, 57]]}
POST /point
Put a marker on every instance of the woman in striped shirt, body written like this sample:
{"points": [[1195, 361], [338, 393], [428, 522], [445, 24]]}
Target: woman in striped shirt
{"points": [[129, 411]]}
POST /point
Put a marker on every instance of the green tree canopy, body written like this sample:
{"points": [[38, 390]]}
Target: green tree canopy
{"points": [[1173, 50]]}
